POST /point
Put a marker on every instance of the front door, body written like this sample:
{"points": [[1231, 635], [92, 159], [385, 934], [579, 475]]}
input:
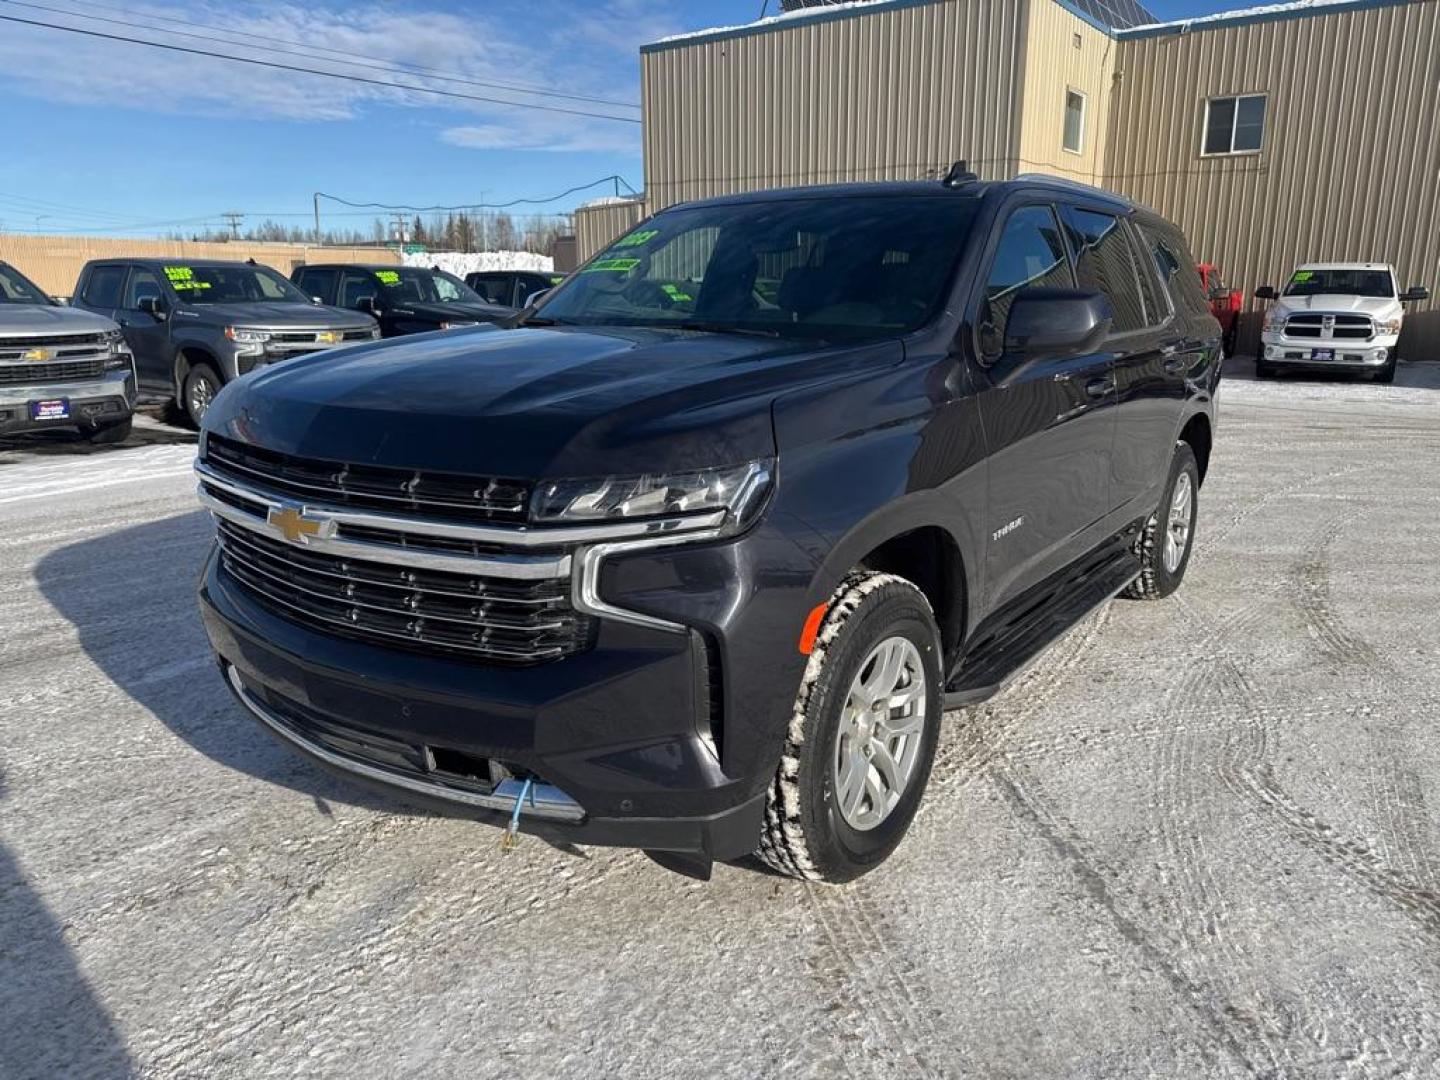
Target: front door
{"points": [[1048, 427], [147, 336]]}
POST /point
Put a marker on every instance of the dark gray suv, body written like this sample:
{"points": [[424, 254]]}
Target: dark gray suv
{"points": [[194, 326]]}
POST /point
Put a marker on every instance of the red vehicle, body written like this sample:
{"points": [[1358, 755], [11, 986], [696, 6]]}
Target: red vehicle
{"points": [[1224, 303]]}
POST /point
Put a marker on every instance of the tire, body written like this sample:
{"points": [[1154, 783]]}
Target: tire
{"points": [[201, 386], [1162, 567], [1386, 374], [807, 833], [109, 434]]}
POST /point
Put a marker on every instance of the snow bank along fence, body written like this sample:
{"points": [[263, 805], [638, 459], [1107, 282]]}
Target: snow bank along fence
{"points": [[54, 262]]}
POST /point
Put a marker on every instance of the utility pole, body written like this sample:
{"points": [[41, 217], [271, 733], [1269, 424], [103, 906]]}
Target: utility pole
{"points": [[399, 223], [317, 217], [234, 217]]}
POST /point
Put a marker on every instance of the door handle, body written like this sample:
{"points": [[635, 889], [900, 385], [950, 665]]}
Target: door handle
{"points": [[1099, 388], [1173, 360]]}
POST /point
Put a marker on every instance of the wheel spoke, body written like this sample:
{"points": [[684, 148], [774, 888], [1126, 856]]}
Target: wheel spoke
{"points": [[851, 789], [886, 765]]}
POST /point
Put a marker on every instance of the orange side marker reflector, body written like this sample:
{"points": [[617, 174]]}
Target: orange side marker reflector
{"points": [[811, 630]]}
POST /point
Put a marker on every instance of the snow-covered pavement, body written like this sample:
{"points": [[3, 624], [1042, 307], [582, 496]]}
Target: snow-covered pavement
{"points": [[1198, 838]]}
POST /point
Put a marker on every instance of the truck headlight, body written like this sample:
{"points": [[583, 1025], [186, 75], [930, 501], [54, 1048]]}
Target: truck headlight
{"points": [[1274, 321], [457, 325], [243, 336], [119, 358], [739, 490], [1388, 326]]}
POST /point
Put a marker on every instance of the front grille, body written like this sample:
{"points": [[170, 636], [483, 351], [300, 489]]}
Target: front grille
{"points": [[1345, 327], [439, 496], [312, 337], [90, 342], [35, 374], [491, 619]]}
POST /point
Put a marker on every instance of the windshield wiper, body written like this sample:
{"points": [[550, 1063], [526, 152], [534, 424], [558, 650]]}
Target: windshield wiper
{"points": [[724, 328]]}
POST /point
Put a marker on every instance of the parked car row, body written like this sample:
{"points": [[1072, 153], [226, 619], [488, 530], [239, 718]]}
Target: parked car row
{"points": [[181, 329]]}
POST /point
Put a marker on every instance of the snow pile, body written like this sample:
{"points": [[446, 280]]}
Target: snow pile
{"points": [[461, 263]]}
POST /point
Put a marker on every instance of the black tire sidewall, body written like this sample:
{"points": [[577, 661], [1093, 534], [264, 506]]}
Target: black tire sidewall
{"points": [[839, 851], [1183, 460], [199, 371]]}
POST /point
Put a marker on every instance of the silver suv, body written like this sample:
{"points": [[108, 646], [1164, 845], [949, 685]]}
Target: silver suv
{"points": [[60, 367]]}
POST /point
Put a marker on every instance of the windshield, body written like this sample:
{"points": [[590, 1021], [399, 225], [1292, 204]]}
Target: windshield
{"points": [[15, 288], [847, 268], [197, 284], [412, 285], [1375, 283]]}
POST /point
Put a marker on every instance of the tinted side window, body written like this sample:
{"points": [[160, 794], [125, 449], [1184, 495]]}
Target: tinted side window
{"points": [[355, 284], [103, 288], [495, 290], [143, 282], [317, 281], [1105, 262], [1030, 255], [1178, 271]]}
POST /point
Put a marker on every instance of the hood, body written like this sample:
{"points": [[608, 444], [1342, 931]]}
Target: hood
{"points": [[457, 311], [1377, 307], [529, 403], [274, 313], [48, 319]]}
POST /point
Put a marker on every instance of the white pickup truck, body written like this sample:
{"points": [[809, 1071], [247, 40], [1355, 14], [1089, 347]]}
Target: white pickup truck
{"points": [[1335, 317]]}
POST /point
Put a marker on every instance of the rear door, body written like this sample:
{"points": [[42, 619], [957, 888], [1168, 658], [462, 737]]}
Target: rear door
{"points": [[148, 337], [1049, 427], [1143, 346]]}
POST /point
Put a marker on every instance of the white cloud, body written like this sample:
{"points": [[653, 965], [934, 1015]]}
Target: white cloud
{"points": [[588, 49]]}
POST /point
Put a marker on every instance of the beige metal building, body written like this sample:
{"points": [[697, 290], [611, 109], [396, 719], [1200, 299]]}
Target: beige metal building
{"points": [[1295, 132]]}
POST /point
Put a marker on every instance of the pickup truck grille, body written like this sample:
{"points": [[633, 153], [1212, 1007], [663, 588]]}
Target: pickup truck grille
{"points": [[491, 619], [31, 373], [440, 496], [312, 337], [1330, 327]]}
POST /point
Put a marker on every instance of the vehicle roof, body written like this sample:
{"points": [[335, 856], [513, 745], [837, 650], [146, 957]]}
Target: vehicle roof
{"points": [[359, 266], [896, 188], [1345, 266], [175, 260]]}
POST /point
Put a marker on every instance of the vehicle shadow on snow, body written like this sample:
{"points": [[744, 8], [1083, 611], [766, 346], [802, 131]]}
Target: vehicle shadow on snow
{"points": [[51, 1022], [130, 595]]}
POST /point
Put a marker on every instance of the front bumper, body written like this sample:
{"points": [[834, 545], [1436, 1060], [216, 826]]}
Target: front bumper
{"points": [[1301, 353], [106, 399], [625, 737]]}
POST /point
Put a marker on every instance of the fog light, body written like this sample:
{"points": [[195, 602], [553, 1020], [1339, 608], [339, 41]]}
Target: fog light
{"points": [[1381, 355]]}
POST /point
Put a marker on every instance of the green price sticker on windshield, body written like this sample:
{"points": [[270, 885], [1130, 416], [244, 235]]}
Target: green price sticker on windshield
{"points": [[612, 266], [1302, 276], [179, 273], [637, 239], [388, 277]]}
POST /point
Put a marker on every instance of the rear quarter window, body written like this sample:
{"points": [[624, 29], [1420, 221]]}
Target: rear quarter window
{"points": [[102, 287], [1177, 268]]}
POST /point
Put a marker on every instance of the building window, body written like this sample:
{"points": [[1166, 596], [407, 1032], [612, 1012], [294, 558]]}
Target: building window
{"points": [[1234, 125], [1074, 136]]}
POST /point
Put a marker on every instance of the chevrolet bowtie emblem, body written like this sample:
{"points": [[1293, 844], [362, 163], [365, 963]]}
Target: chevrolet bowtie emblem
{"points": [[296, 527], [327, 337], [40, 355]]}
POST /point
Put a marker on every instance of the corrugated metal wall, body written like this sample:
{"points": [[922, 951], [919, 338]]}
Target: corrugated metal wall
{"points": [[596, 226], [895, 93], [1350, 168], [54, 262], [1064, 52]]}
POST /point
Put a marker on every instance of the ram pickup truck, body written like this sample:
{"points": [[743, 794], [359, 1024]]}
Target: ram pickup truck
{"points": [[402, 299], [678, 566], [1335, 317], [60, 367], [196, 326]]}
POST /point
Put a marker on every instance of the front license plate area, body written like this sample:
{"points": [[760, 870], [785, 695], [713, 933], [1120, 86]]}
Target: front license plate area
{"points": [[50, 410], [1322, 354]]}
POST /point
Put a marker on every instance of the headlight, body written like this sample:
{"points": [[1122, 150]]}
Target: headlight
{"points": [[241, 336], [457, 325], [119, 358], [1388, 326], [737, 489], [1274, 321]]}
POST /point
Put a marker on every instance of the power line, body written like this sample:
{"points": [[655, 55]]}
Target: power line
{"points": [[311, 71], [385, 65], [475, 206]]}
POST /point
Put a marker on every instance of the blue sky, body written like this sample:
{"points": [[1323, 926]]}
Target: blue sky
{"points": [[109, 137]]}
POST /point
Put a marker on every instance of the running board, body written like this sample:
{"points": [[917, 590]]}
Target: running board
{"points": [[1036, 620]]}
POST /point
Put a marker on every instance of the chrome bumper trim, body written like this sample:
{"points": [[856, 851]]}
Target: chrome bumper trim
{"points": [[544, 801]]}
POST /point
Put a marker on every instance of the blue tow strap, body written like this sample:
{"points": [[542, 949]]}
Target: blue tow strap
{"points": [[512, 830]]}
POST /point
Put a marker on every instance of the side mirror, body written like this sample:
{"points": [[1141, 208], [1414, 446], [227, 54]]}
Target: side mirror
{"points": [[152, 306], [367, 305], [1265, 292], [1414, 294], [537, 296], [1048, 324]]}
